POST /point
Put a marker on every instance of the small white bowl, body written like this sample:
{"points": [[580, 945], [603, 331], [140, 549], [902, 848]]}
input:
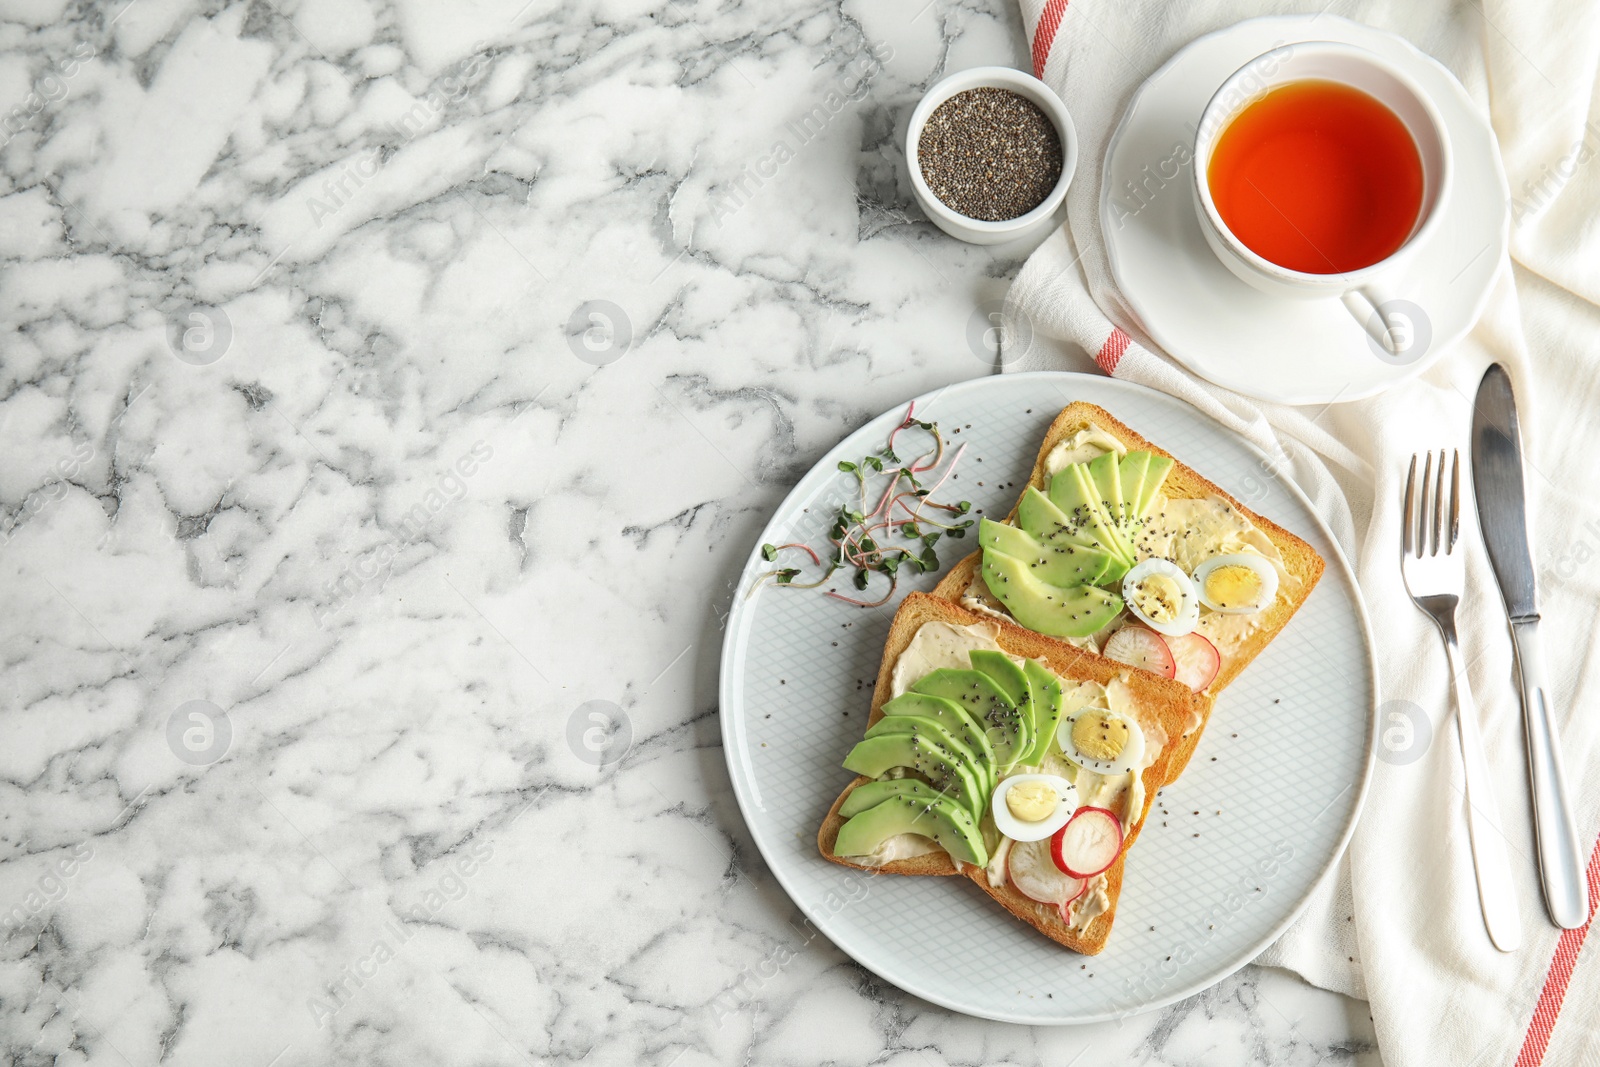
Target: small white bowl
{"points": [[978, 231]]}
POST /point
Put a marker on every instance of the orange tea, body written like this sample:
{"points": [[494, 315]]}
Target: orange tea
{"points": [[1317, 177]]}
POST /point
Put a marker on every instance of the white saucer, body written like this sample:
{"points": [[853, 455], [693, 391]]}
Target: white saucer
{"points": [[1289, 351]]}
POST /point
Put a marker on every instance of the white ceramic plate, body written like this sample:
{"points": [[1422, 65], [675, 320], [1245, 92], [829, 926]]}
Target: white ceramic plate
{"points": [[1289, 351], [1285, 759]]}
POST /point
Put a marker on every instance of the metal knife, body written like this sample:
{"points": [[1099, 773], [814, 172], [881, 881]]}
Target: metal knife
{"points": [[1503, 517]]}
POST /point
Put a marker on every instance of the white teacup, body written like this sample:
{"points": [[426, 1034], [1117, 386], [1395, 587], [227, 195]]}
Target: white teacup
{"points": [[1364, 292]]}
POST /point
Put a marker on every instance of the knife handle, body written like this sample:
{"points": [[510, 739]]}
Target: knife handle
{"points": [[1566, 895]]}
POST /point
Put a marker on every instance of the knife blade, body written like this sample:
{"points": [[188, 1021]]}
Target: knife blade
{"points": [[1497, 478], [1502, 497]]}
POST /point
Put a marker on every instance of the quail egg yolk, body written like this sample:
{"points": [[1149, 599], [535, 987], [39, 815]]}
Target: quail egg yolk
{"points": [[1159, 597], [1031, 801], [1100, 736], [1233, 585]]}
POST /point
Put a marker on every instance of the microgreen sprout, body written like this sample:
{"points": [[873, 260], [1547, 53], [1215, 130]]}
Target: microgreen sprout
{"points": [[884, 530]]}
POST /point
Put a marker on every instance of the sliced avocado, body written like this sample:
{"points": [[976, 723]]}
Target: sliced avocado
{"points": [[1048, 698], [986, 703], [1132, 471], [1057, 564], [1005, 673], [1047, 609], [1106, 473], [1076, 494], [919, 726], [1048, 524], [920, 753], [1114, 574], [1155, 477], [871, 794], [954, 719], [1035, 695], [951, 828]]}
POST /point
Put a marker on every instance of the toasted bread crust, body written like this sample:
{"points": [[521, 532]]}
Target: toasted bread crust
{"points": [[1183, 482], [1160, 703], [1181, 714]]}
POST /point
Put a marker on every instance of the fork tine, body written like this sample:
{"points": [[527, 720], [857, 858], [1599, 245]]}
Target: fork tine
{"points": [[1426, 509], [1408, 538], [1438, 511], [1455, 498]]}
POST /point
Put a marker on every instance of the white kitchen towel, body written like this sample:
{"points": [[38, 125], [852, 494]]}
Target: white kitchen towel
{"points": [[1399, 925]]}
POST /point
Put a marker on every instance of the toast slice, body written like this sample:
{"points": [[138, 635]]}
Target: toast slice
{"points": [[1163, 707], [1183, 482]]}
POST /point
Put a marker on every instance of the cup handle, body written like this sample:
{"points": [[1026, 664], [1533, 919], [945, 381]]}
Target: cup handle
{"points": [[1366, 307]]}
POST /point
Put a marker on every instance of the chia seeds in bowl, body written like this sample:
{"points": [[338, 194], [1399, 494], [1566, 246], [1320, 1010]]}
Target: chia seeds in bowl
{"points": [[990, 154]]}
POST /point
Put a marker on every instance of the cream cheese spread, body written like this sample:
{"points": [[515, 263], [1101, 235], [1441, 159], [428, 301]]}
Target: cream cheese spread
{"points": [[1088, 443]]}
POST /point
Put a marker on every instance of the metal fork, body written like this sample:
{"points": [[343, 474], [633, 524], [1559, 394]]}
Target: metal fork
{"points": [[1434, 574]]}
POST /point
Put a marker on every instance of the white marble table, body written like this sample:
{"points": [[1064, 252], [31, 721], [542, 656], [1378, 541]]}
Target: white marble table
{"points": [[320, 526]]}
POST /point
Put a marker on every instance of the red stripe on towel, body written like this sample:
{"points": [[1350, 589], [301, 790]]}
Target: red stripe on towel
{"points": [[1044, 35], [1537, 1039], [1110, 353]]}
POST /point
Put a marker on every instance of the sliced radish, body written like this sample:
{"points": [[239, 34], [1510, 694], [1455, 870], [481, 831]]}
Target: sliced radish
{"points": [[1066, 909], [1088, 844], [1198, 660], [1031, 869], [1139, 647]]}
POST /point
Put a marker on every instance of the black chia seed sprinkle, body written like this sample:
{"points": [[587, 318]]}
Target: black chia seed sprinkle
{"points": [[990, 154]]}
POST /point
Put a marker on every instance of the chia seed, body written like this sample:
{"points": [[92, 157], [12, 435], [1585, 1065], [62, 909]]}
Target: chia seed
{"points": [[990, 154]]}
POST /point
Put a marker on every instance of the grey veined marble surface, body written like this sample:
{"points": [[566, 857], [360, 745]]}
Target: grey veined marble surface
{"points": [[382, 385]]}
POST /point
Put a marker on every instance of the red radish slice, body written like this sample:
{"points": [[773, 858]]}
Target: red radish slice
{"points": [[1139, 647], [1066, 909], [1088, 844], [1198, 660], [1031, 869]]}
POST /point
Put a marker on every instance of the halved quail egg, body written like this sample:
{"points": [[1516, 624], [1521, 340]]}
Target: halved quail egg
{"points": [[1102, 740], [1237, 584], [1031, 807], [1162, 597]]}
